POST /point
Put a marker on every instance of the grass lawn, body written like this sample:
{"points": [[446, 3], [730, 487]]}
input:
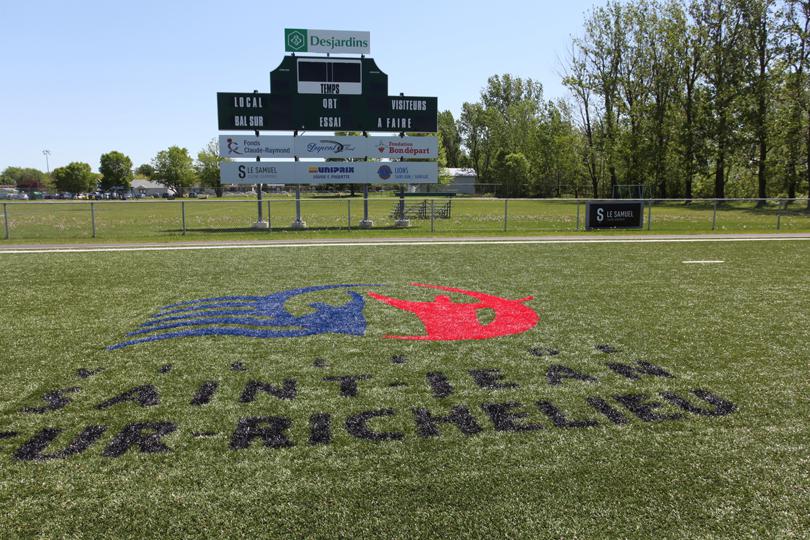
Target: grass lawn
{"points": [[231, 219], [654, 398]]}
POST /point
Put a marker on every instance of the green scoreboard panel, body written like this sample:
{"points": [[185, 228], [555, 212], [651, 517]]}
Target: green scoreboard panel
{"points": [[327, 94]]}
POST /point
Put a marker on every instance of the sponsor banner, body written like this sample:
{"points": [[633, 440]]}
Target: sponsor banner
{"points": [[403, 147], [315, 146], [299, 40], [403, 172], [614, 214], [257, 172], [330, 173], [266, 146], [327, 146]]}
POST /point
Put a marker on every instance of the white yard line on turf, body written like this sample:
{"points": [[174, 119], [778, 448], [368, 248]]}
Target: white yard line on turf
{"points": [[398, 243], [702, 262]]}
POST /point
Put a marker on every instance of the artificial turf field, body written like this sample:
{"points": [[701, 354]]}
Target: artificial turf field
{"points": [[558, 431]]}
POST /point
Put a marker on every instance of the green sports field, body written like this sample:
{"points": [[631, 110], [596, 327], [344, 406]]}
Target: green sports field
{"points": [[326, 217], [654, 397]]}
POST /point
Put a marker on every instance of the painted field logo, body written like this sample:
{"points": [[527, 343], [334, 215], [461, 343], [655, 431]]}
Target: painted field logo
{"points": [[268, 317], [446, 320]]}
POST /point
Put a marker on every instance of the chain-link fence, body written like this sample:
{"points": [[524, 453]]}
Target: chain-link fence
{"points": [[143, 220]]}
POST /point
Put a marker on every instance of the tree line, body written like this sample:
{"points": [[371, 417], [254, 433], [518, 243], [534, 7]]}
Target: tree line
{"points": [[173, 167], [688, 98]]}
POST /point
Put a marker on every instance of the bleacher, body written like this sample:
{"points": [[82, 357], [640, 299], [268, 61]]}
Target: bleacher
{"points": [[420, 210]]}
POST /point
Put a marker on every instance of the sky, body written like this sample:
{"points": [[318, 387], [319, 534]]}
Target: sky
{"points": [[82, 78]]}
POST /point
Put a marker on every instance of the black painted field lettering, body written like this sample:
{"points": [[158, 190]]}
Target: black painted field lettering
{"points": [[612, 413], [287, 391], [55, 400], [145, 435], [439, 385], [559, 419], [504, 419], [348, 383], [357, 426], [555, 374], [34, 448], [145, 396], [460, 416], [642, 368], [320, 428], [490, 379], [638, 405], [205, 393], [270, 429], [721, 406]]}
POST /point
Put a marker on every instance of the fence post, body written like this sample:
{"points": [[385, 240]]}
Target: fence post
{"points": [[649, 214], [93, 217], [5, 218], [778, 215], [577, 214], [505, 213], [268, 213], [183, 213], [714, 216], [432, 217], [349, 210]]}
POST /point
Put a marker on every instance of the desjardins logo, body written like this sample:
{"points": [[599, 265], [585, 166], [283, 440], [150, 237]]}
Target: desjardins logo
{"points": [[295, 39]]}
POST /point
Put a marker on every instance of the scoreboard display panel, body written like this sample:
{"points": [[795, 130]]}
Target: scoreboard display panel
{"points": [[329, 76]]}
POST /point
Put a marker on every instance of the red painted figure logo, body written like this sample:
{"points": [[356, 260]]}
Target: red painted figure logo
{"points": [[445, 320]]}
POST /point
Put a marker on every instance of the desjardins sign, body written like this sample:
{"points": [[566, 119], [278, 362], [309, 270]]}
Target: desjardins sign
{"points": [[298, 40]]}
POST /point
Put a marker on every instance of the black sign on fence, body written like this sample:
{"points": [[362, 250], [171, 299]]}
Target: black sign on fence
{"points": [[614, 214]]}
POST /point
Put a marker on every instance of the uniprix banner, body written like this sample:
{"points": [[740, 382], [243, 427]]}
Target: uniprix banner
{"points": [[330, 172]]}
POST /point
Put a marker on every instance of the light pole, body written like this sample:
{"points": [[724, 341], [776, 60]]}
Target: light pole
{"points": [[47, 153]]}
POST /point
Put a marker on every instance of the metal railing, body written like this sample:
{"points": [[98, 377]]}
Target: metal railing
{"points": [[54, 220]]}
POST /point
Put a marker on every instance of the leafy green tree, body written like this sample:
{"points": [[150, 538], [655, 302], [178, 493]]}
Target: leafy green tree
{"points": [[145, 171], [794, 93], [76, 177], [116, 170], [174, 168], [511, 171], [207, 166], [26, 178], [760, 27], [604, 45], [450, 139], [474, 131], [725, 76], [578, 80], [690, 58]]}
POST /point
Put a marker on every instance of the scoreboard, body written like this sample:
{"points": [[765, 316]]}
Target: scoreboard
{"points": [[327, 94]]}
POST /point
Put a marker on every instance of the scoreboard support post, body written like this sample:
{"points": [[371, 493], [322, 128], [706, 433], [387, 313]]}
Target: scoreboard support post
{"points": [[365, 223], [298, 224], [260, 222], [402, 221]]}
